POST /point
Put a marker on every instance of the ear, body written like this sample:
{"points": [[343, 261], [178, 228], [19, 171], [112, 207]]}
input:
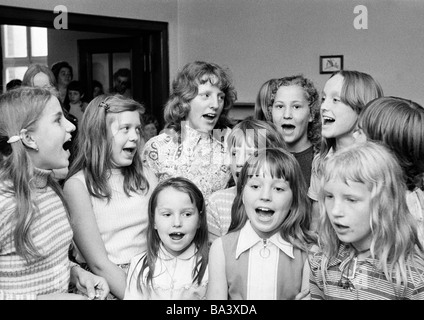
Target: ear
{"points": [[311, 117], [28, 140]]}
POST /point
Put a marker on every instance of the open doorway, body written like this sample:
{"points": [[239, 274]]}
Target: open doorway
{"points": [[151, 65]]}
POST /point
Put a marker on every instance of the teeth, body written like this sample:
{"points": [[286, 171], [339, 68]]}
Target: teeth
{"points": [[327, 118]]}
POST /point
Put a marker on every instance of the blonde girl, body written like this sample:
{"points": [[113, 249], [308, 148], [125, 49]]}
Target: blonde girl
{"points": [[35, 232], [369, 246]]}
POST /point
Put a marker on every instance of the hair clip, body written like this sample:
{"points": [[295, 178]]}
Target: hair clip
{"points": [[104, 105], [13, 139]]}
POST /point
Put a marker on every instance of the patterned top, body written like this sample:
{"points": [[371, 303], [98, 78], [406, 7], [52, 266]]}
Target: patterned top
{"points": [[172, 279], [350, 279], [218, 208], [198, 157], [51, 233]]}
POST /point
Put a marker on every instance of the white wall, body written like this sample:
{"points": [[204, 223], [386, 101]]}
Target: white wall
{"points": [[261, 39]]}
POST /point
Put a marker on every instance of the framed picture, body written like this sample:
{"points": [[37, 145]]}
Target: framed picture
{"points": [[330, 64]]}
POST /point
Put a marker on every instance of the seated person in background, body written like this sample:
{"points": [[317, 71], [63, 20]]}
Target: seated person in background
{"points": [[151, 126]]}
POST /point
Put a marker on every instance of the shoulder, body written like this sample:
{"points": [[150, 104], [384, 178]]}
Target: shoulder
{"points": [[75, 182], [222, 193], [150, 176]]}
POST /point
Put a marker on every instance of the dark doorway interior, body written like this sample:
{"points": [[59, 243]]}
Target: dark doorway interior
{"points": [[150, 56]]}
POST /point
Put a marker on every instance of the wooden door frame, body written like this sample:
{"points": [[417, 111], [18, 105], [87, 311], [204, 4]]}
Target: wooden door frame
{"points": [[103, 24]]}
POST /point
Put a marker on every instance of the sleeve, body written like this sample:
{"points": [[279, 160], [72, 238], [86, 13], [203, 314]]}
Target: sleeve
{"points": [[150, 155], [315, 277]]}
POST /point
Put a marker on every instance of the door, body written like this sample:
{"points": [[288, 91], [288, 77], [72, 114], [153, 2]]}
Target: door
{"points": [[99, 59]]}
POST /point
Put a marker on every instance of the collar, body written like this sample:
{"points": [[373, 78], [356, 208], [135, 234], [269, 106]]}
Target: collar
{"points": [[163, 254], [248, 238], [344, 256], [192, 135]]}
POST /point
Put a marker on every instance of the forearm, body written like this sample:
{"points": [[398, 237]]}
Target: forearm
{"points": [[114, 275]]}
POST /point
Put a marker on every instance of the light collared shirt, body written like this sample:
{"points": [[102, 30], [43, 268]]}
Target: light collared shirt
{"points": [[172, 280], [199, 157], [263, 260]]}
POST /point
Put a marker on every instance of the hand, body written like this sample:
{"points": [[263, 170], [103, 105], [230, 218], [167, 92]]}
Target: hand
{"points": [[95, 287], [302, 295]]}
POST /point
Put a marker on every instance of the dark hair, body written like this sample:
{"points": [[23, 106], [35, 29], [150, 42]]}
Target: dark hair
{"points": [[148, 118], [12, 84], [75, 85], [123, 72], [280, 164], [399, 124], [57, 66], [200, 239]]}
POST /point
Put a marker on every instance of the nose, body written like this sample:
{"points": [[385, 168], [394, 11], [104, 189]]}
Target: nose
{"points": [[70, 127], [324, 105], [288, 114], [133, 135], [336, 209], [266, 193], [240, 159], [177, 220], [214, 102]]}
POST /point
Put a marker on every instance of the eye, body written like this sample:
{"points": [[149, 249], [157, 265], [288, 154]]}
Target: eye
{"points": [[297, 106], [254, 186], [188, 214], [279, 189], [278, 106], [352, 200], [328, 196], [336, 100]]}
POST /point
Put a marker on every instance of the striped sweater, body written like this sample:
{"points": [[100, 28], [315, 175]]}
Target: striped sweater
{"points": [[51, 234]]}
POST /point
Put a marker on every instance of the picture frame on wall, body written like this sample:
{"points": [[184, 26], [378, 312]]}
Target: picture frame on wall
{"points": [[330, 64]]}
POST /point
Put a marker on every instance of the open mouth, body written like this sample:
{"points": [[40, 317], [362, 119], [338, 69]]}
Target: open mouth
{"points": [[129, 150], [176, 236], [67, 145], [327, 120], [264, 212], [288, 128], [209, 116]]}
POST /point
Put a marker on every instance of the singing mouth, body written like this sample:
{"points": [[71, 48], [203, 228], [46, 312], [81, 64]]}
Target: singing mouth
{"points": [[210, 116], [327, 120], [176, 235]]}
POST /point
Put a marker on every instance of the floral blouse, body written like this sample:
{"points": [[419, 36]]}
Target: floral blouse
{"points": [[199, 157]]}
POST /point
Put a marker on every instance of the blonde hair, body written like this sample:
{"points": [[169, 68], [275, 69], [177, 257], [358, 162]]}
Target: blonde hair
{"points": [[394, 233], [21, 109], [94, 149]]}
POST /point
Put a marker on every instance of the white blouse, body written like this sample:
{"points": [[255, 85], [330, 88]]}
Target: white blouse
{"points": [[172, 278]]}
